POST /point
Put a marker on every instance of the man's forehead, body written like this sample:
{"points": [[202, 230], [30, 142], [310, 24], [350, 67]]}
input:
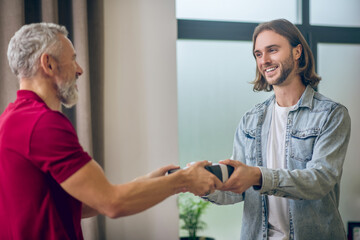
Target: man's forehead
{"points": [[269, 38], [67, 44]]}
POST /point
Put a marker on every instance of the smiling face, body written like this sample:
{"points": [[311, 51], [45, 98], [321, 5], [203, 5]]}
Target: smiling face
{"points": [[276, 59], [68, 71]]}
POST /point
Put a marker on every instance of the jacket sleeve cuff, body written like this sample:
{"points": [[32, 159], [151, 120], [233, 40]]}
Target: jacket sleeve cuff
{"points": [[270, 181]]}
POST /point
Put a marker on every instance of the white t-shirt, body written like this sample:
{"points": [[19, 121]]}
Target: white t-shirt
{"points": [[279, 228]]}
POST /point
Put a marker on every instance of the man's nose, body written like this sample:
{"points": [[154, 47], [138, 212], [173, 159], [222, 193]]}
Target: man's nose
{"points": [[79, 70], [265, 59]]}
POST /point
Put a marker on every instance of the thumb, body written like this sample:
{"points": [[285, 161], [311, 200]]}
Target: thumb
{"points": [[203, 163], [229, 162]]}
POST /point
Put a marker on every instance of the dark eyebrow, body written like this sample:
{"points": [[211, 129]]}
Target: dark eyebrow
{"points": [[274, 45], [267, 47]]}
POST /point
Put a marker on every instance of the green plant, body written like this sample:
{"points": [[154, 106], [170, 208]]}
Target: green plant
{"points": [[190, 209]]}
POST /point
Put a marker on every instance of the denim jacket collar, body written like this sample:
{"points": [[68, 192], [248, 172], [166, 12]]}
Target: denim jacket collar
{"points": [[306, 100]]}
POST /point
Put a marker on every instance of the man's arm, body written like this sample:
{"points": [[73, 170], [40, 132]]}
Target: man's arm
{"points": [[90, 186], [88, 212]]}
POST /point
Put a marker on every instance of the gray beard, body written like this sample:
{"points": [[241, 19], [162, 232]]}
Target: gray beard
{"points": [[68, 94]]}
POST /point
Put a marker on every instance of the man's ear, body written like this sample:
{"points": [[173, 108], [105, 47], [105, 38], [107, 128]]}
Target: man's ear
{"points": [[297, 51], [47, 64]]}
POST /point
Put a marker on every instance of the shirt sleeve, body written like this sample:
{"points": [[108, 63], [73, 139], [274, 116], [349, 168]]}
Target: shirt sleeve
{"points": [[55, 148]]}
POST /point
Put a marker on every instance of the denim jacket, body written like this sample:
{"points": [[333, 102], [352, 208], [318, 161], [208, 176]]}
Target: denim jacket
{"points": [[317, 136]]}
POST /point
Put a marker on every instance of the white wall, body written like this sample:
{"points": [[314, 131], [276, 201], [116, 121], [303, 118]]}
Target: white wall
{"points": [[140, 106]]}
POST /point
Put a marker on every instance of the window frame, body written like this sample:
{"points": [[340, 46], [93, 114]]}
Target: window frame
{"points": [[242, 31]]}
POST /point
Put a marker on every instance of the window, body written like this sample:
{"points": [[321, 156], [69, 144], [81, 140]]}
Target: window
{"points": [[238, 10], [215, 66], [335, 13]]}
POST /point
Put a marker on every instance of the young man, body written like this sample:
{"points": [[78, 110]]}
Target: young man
{"points": [[47, 181], [289, 150]]}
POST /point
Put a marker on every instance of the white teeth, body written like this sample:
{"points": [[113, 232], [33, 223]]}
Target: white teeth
{"points": [[270, 69]]}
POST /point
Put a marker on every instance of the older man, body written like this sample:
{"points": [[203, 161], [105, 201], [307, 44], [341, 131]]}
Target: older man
{"points": [[47, 181]]}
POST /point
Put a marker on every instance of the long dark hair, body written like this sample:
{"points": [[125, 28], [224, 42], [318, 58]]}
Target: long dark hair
{"points": [[293, 35]]}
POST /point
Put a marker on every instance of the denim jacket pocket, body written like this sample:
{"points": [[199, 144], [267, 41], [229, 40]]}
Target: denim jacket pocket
{"points": [[302, 142], [250, 146]]}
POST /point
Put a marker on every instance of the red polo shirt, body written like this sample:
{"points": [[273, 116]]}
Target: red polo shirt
{"points": [[39, 149]]}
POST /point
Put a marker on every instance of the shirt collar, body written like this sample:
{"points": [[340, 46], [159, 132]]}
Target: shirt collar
{"points": [[27, 94]]}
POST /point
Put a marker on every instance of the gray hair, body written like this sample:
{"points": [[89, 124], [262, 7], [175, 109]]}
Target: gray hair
{"points": [[29, 43]]}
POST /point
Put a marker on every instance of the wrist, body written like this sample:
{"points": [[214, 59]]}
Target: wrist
{"points": [[257, 177], [179, 181]]}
